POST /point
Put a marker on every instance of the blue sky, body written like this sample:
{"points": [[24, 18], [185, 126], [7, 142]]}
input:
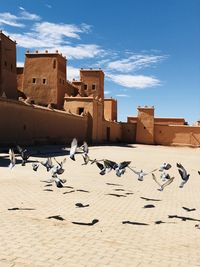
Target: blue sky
{"points": [[148, 49]]}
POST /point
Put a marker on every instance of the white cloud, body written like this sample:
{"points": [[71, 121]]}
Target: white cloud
{"points": [[58, 31], [49, 6], [121, 95], [134, 81], [72, 73], [9, 19], [134, 62], [25, 15], [107, 92], [20, 64]]}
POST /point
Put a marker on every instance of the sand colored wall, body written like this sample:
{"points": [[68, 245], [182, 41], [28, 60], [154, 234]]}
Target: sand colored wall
{"points": [[111, 132], [110, 109], [24, 124], [169, 121], [94, 108], [93, 77], [145, 126], [128, 132], [177, 135], [8, 76], [49, 72]]}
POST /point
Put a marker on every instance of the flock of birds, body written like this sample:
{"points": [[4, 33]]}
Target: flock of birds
{"points": [[105, 166]]}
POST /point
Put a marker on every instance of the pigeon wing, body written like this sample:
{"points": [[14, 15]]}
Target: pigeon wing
{"points": [[155, 179], [167, 183], [99, 165], [85, 147], [168, 166], [73, 148]]}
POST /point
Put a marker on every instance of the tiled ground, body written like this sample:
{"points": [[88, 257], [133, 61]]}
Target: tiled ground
{"points": [[28, 238]]}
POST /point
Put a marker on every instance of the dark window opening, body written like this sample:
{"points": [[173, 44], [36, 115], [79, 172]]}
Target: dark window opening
{"points": [[24, 127], [93, 86], [44, 81], [54, 64], [80, 111], [60, 80], [5, 63], [85, 86], [144, 127], [34, 80], [11, 67]]}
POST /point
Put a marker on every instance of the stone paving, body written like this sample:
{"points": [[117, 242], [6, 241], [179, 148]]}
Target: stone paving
{"points": [[29, 239]]}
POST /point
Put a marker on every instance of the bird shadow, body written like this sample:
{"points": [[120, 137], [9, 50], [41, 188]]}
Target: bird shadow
{"points": [[183, 218], [134, 223], [116, 195], [82, 190], [48, 190], [149, 206], [56, 217], [80, 205], [114, 184], [67, 192], [188, 209], [87, 224], [12, 209], [150, 199]]}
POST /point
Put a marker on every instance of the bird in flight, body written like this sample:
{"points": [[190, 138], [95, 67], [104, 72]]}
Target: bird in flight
{"points": [[183, 173], [12, 158], [141, 173], [73, 149], [162, 186], [24, 155]]}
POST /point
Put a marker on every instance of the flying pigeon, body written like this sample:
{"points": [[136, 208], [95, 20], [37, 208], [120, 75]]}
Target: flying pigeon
{"points": [[12, 158], [141, 174], [24, 155], [165, 166], [74, 145], [183, 173], [162, 186]]}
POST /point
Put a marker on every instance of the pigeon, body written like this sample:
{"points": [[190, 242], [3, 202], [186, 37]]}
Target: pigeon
{"points": [[183, 173], [73, 149], [121, 168], [47, 164], [141, 174], [165, 166], [106, 167], [59, 182], [162, 186], [85, 148], [164, 176], [12, 158], [24, 155], [35, 166], [58, 169]]}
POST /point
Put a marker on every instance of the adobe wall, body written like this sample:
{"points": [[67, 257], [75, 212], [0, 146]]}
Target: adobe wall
{"points": [[23, 124], [90, 77], [8, 76], [128, 132], [145, 126], [169, 121], [115, 132], [110, 109], [177, 135]]}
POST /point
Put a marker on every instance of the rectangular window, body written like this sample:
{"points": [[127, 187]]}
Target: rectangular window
{"points": [[34, 80], [93, 86], [5, 64], [44, 81], [85, 86]]}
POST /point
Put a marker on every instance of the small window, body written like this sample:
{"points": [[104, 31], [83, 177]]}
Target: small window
{"points": [[54, 64], [60, 80], [85, 86], [11, 67], [5, 64], [63, 82], [34, 80], [80, 111], [44, 81], [93, 86]]}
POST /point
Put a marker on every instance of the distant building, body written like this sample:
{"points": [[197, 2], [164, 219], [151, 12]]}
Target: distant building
{"points": [[39, 105]]}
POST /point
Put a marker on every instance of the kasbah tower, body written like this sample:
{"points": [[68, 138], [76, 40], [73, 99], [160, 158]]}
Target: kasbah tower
{"points": [[39, 105]]}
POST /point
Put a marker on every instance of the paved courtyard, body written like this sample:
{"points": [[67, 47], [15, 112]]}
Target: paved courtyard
{"points": [[29, 237]]}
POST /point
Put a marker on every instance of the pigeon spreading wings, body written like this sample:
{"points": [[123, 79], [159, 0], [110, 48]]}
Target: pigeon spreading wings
{"points": [[165, 166], [24, 155], [73, 149], [162, 186], [141, 173], [183, 173]]}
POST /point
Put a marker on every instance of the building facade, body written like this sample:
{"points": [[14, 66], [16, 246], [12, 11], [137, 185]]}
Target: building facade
{"points": [[39, 105]]}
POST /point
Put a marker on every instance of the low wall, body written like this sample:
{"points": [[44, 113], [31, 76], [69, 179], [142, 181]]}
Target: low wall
{"points": [[128, 132], [24, 124], [115, 131], [177, 135]]}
